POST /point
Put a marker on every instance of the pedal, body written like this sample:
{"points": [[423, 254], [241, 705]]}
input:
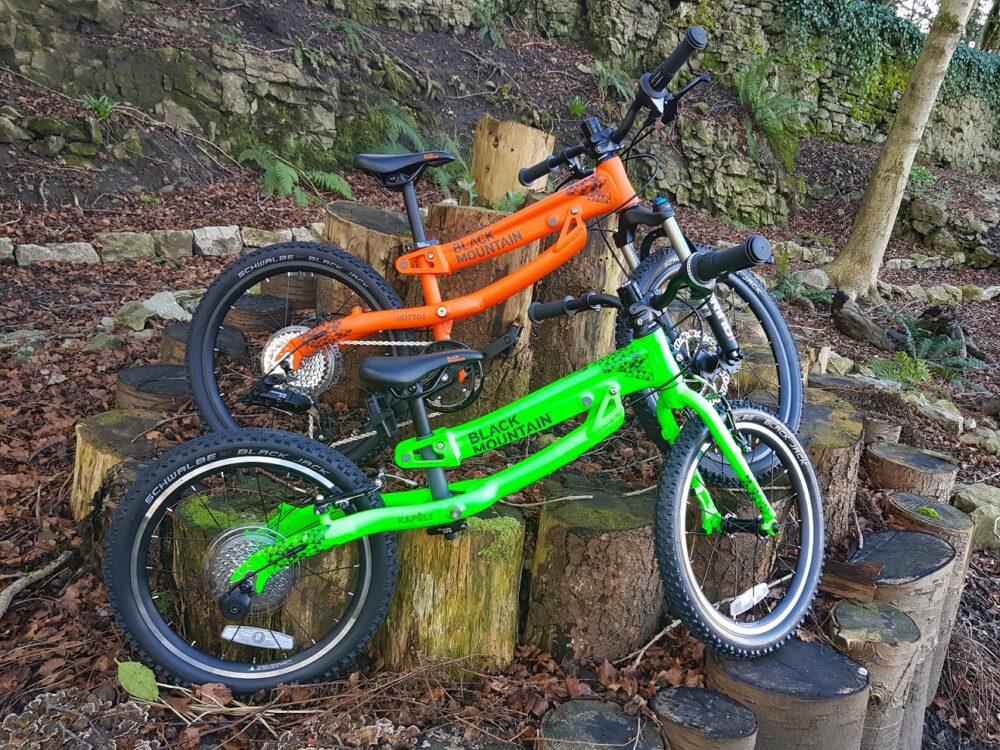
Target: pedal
{"points": [[504, 346], [381, 416], [449, 531], [290, 400]]}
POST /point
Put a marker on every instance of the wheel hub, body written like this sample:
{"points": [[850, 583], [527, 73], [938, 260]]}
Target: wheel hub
{"points": [[315, 374], [687, 347], [226, 553]]}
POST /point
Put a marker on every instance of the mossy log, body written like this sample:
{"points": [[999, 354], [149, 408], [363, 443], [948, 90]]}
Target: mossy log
{"points": [[102, 442], [297, 288], [376, 235], [806, 696], [832, 434], [258, 313], [93, 528], [592, 724], [173, 343], [595, 589], [916, 572], [916, 513], [878, 429], [908, 469], [499, 150], [153, 387], [885, 640], [456, 599], [703, 719]]}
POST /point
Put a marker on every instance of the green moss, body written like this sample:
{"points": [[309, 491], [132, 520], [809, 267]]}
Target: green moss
{"points": [[198, 512], [507, 530], [926, 510]]}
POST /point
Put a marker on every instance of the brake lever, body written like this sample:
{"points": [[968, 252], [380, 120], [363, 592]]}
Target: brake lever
{"points": [[578, 169], [672, 102]]}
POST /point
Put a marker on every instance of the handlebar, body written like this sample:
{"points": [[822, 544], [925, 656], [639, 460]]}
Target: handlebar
{"points": [[528, 175], [695, 39], [704, 268], [539, 311]]}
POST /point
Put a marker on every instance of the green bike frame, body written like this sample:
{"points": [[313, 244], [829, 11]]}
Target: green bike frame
{"points": [[596, 391]]}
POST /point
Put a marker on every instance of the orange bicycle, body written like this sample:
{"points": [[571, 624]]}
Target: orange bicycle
{"points": [[280, 334]]}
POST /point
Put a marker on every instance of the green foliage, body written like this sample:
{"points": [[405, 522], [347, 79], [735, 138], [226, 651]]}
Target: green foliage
{"points": [[291, 178], [920, 180], [866, 34], [771, 110], [100, 107], [485, 17], [230, 38], [902, 368], [138, 680], [304, 54], [612, 78], [458, 172], [352, 30], [787, 285], [575, 107], [510, 202], [941, 356]]}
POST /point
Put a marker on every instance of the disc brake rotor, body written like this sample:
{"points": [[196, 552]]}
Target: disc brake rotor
{"points": [[686, 347], [232, 548], [315, 373]]}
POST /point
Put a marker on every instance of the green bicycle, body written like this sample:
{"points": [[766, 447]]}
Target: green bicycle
{"points": [[256, 557]]}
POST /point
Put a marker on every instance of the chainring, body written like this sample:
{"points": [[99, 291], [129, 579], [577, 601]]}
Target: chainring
{"points": [[315, 374]]}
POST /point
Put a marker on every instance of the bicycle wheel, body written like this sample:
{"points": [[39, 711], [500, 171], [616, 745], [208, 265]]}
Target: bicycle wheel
{"points": [[769, 374], [737, 591], [197, 515], [253, 309]]}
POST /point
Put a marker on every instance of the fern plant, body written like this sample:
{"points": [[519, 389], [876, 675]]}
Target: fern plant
{"points": [[941, 356], [351, 29], [612, 78], [304, 54], [787, 285], [289, 179], [902, 368], [576, 107], [770, 109], [509, 202], [100, 107]]}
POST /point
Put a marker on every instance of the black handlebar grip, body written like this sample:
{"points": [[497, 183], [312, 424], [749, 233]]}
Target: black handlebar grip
{"points": [[695, 39], [528, 175], [539, 311], [706, 266]]}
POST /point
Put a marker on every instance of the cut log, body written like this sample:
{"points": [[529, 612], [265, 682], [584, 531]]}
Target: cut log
{"points": [[376, 235], [699, 719], [499, 150], [885, 640], [173, 343], [258, 313], [916, 513], [849, 581], [298, 289], [831, 432], [907, 469], [880, 430], [916, 572], [456, 599], [153, 387], [806, 696], [593, 724], [102, 442], [595, 588]]}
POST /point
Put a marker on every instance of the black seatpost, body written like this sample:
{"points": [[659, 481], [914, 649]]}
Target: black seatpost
{"points": [[413, 213], [436, 479]]}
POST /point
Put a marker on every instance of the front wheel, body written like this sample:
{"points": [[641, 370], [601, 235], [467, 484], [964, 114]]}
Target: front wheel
{"points": [[740, 592]]}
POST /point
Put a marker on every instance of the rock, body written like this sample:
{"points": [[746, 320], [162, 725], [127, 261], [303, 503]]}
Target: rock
{"points": [[218, 241], [982, 503], [851, 321], [126, 246], [11, 133], [942, 411], [253, 238], [129, 148], [586, 724], [6, 250], [50, 145], [65, 252], [188, 299], [15, 339], [943, 294], [132, 316], [103, 342], [984, 438], [173, 243], [311, 233], [971, 293], [165, 306], [990, 292], [838, 365], [944, 242], [931, 212], [813, 278]]}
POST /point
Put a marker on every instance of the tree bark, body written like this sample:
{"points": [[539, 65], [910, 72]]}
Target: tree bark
{"points": [[907, 469], [855, 268], [376, 235], [499, 151], [703, 719], [806, 696], [153, 387], [880, 430], [989, 36]]}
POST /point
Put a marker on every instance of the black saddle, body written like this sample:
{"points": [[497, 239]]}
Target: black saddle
{"points": [[394, 171], [400, 372]]}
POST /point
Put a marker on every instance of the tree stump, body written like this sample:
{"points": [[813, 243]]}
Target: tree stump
{"points": [[153, 387], [916, 513], [880, 430], [595, 589], [506, 379], [916, 571], [258, 313], [699, 719], [499, 150], [102, 442], [298, 289], [806, 696], [593, 724], [913, 470], [376, 235], [456, 599], [885, 640], [173, 343], [831, 432]]}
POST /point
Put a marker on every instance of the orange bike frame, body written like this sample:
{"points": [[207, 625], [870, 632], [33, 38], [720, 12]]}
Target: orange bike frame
{"points": [[608, 189]]}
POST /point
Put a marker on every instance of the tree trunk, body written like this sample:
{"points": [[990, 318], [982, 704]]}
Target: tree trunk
{"points": [[595, 586], [806, 696], [916, 513], [153, 387], [917, 569], [456, 599], [102, 442], [908, 469], [592, 724], [880, 430], [989, 36], [376, 235], [297, 288], [885, 640], [831, 432], [499, 151], [258, 313], [173, 343], [702, 719], [855, 269]]}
